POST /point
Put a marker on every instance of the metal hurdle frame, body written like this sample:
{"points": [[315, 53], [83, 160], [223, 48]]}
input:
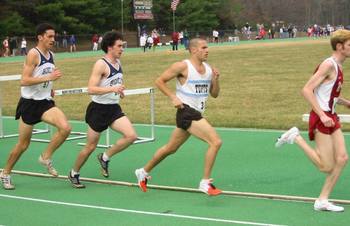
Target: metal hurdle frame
{"points": [[80, 135], [2, 130], [148, 90]]}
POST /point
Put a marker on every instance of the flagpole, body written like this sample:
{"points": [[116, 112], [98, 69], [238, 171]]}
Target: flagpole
{"points": [[122, 15], [174, 20]]}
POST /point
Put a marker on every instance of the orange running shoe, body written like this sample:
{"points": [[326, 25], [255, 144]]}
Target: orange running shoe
{"points": [[142, 178], [206, 186]]}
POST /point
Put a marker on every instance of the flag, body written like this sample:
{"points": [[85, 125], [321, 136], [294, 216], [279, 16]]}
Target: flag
{"points": [[174, 3]]}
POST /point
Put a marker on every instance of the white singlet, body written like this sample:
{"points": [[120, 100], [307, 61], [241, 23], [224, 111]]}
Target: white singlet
{"points": [[114, 78], [327, 93], [40, 91], [195, 91]]}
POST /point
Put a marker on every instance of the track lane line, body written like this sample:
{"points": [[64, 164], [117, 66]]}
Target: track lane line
{"points": [[136, 211]]}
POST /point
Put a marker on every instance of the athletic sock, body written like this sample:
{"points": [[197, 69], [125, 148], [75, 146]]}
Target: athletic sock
{"points": [[144, 171], [73, 173], [105, 157]]}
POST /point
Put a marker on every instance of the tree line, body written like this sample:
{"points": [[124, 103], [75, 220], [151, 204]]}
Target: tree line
{"points": [[19, 17]]}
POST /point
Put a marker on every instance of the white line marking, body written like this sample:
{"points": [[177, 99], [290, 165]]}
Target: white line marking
{"points": [[136, 211]]}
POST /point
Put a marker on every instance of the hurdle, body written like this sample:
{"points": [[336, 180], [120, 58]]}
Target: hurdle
{"points": [[139, 91], [2, 130], [77, 134], [342, 117]]}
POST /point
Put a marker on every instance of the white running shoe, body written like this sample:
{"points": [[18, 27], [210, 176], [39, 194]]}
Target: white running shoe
{"points": [[325, 205], [287, 137], [6, 182], [48, 164], [142, 178]]}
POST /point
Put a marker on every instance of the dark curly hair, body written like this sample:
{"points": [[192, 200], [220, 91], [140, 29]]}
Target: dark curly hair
{"points": [[109, 39]]}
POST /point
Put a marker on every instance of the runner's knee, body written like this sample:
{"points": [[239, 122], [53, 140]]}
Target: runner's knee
{"points": [[342, 159], [65, 128], [131, 137], [22, 146], [216, 143], [90, 147], [326, 169]]}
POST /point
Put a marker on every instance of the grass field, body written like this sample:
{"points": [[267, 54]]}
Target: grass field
{"points": [[260, 83]]}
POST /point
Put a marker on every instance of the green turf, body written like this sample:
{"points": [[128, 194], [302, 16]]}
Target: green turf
{"points": [[247, 162], [222, 207]]}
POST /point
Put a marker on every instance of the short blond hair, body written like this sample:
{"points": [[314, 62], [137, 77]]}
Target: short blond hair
{"points": [[339, 36], [194, 43]]}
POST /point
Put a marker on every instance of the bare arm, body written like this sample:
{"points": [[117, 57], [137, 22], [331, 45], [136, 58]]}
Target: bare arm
{"points": [[215, 88], [27, 79], [100, 69], [177, 69], [343, 101], [324, 71]]}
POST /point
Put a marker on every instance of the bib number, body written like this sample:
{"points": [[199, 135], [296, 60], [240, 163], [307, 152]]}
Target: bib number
{"points": [[202, 105], [46, 84]]}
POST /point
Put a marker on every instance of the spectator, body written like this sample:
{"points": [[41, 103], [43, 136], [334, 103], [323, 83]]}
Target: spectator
{"points": [[290, 31], [6, 46], [156, 38], [309, 32], [215, 36], [57, 40], [99, 42], [24, 47], [295, 30], [149, 42], [273, 30], [281, 31], [247, 30], [262, 32], [186, 39], [143, 42], [94, 41], [181, 37], [72, 43], [175, 40], [13, 46], [65, 40], [221, 35]]}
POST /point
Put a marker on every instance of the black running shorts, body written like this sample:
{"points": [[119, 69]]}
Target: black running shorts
{"points": [[31, 110], [100, 116], [185, 116]]}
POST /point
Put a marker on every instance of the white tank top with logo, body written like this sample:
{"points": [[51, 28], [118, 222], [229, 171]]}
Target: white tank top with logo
{"points": [[195, 91], [114, 78], [40, 91]]}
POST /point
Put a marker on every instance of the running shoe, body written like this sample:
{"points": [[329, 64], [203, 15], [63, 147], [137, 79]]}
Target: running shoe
{"points": [[142, 179], [104, 165], [207, 186], [6, 182], [48, 164], [325, 205], [75, 180], [287, 137]]}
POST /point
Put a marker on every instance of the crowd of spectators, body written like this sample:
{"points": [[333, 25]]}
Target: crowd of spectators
{"points": [[12, 46]]}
